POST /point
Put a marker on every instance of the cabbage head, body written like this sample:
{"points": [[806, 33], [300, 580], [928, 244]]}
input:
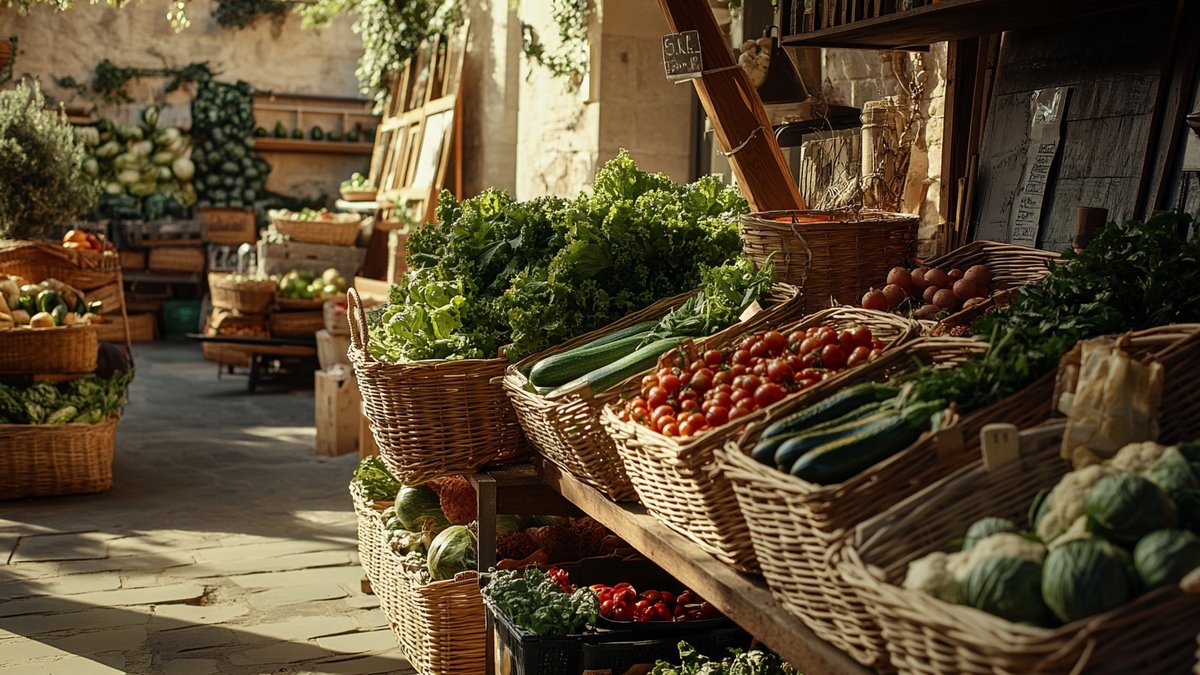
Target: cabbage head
{"points": [[1172, 472], [1010, 588], [986, 527], [1086, 577], [451, 552], [1164, 557], [418, 507], [1125, 507]]}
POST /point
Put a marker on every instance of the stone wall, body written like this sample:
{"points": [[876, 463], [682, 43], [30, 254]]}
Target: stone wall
{"points": [[284, 59]]}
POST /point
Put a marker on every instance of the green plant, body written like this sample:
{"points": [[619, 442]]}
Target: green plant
{"points": [[176, 13], [42, 181], [570, 60], [391, 33], [241, 14]]}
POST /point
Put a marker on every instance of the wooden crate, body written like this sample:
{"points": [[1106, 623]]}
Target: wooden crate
{"points": [[132, 260], [185, 258], [229, 226], [280, 257], [396, 267], [142, 328], [338, 409]]}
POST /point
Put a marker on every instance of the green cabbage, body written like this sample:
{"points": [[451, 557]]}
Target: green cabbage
{"points": [[1086, 577], [129, 176], [1164, 557], [1172, 472], [1126, 507], [451, 552], [505, 525], [108, 150], [163, 158], [417, 507], [1009, 588], [986, 527], [183, 168]]}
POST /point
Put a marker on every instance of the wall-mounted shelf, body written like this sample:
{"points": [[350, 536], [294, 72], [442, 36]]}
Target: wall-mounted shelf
{"points": [[317, 147], [951, 20]]}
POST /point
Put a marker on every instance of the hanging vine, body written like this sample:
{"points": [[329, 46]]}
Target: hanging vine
{"points": [[239, 14], [391, 33], [110, 80], [570, 60], [176, 9]]}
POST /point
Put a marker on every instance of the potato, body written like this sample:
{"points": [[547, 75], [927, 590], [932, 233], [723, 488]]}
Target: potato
{"points": [[41, 320]]}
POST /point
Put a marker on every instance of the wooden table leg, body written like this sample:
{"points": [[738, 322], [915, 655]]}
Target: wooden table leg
{"points": [[485, 495]]}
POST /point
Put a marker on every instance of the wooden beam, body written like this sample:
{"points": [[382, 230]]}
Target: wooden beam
{"points": [[736, 112]]}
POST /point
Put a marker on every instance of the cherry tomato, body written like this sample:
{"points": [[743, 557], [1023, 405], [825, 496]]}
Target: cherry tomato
{"points": [[702, 379], [685, 429], [833, 357], [807, 382], [775, 341], [717, 415], [759, 349], [862, 335], [740, 395], [858, 356], [768, 393], [622, 612], [722, 399], [649, 380], [739, 369], [606, 607], [874, 353], [656, 397], [828, 337], [662, 421], [713, 358], [662, 612], [723, 377], [641, 603], [650, 596], [622, 585], [707, 611], [760, 369], [627, 596], [796, 337], [738, 411], [668, 597], [809, 345], [741, 357], [688, 405], [661, 411], [779, 371], [876, 343], [623, 415], [847, 341], [647, 614], [669, 384], [796, 363], [696, 365], [670, 430]]}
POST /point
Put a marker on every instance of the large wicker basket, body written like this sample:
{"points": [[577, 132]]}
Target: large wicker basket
{"points": [[566, 429], [1012, 266], [440, 624], [297, 324], [923, 635], [187, 259], [372, 538], [832, 256], [340, 229], [793, 523], [65, 349], [679, 480], [60, 459], [38, 260], [248, 296], [433, 418]]}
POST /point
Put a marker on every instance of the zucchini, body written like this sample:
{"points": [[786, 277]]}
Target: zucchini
{"points": [[766, 448], [59, 314], [560, 369], [799, 445], [636, 329], [603, 379], [47, 300], [845, 457], [831, 408]]}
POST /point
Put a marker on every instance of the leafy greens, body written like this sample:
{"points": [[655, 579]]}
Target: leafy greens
{"points": [[88, 400], [537, 605]]}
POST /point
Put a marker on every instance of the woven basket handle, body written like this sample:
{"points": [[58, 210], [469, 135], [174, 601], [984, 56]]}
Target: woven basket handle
{"points": [[357, 318]]}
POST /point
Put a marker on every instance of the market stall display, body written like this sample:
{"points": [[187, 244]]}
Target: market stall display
{"points": [[317, 226]]}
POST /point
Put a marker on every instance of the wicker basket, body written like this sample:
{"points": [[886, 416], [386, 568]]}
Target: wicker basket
{"points": [[59, 459], [228, 226], [372, 540], [38, 260], [340, 230], [132, 260], [1011, 265], [225, 322], [566, 429], [440, 624], [680, 482], [65, 349], [358, 194], [298, 303], [249, 296], [1153, 634], [832, 256], [187, 258], [793, 523], [433, 418], [335, 317], [297, 324]]}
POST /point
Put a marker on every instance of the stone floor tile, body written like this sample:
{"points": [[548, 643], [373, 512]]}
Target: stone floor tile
{"points": [[77, 546], [101, 641], [367, 665], [298, 628], [282, 653], [167, 617], [284, 563], [90, 619], [190, 667], [72, 584], [360, 600], [283, 597], [353, 643], [192, 638], [299, 577], [269, 549]]}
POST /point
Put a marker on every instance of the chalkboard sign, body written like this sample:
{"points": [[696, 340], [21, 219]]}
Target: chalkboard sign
{"points": [[681, 55]]}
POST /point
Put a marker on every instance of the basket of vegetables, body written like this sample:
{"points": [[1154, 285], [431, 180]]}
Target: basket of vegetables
{"points": [[358, 188], [241, 293], [228, 324], [831, 255], [1062, 567], [36, 260], [706, 393], [45, 328], [956, 288], [373, 490], [317, 226], [58, 439], [558, 393]]}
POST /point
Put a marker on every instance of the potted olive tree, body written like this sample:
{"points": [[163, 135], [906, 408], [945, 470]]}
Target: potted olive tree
{"points": [[42, 181]]}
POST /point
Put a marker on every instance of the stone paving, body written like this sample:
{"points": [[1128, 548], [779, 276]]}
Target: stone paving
{"points": [[225, 546]]}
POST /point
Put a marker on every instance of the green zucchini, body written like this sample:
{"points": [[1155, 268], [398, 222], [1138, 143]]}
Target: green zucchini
{"points": [[766, 448], [47, 300], [636, 329], [798, 446], [560, 369], [59, 313], [605, 378], [845, 457], [831, 408]]}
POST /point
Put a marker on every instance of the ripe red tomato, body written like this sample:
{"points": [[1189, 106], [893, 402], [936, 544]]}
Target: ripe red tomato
{"points": [[717, 415], [685, 429], [809, 345], [656, 397], [768, 393], [723, 399], [741, 357], [736, 370], [670, 430], [760, 368], [713, 358], [862, 336], [689, 405], [668, 597], [622, 612], [779, 371], [702, 379], [759, 349], [828, 337], [796, 336], [649, 380], [659, 411], [832, 357], [606, 608], [722, 377], [847, 341], [669, 384], [858, 356], [663, 422], [775, 341], [738, 411], [662, 612]]}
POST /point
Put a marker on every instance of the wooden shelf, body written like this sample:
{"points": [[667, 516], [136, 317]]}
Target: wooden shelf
{"points": [[316, 147], [164, 277], [742, 598], [953, 20]]}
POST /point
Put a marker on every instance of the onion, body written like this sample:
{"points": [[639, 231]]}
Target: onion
{"points": [[926, 312], [894, 294], [930, 291], [917, 278], [965, 289], [936, 277], [980, 276], [874, 299], [945, 299], [900, 277]]}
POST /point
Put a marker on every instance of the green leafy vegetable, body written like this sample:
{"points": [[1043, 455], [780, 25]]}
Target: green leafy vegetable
{"points": [[753, 662], [728, 291], [88, 400], [376, 481], [535, 603]]}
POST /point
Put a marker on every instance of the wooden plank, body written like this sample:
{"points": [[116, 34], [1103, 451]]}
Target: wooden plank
{"points": [[736, 111], [744, 599], [953, 20], [317, 147], [1179, 77]]}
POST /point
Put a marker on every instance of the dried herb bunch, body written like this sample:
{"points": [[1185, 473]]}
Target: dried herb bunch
{"points": [[42, 181]]}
